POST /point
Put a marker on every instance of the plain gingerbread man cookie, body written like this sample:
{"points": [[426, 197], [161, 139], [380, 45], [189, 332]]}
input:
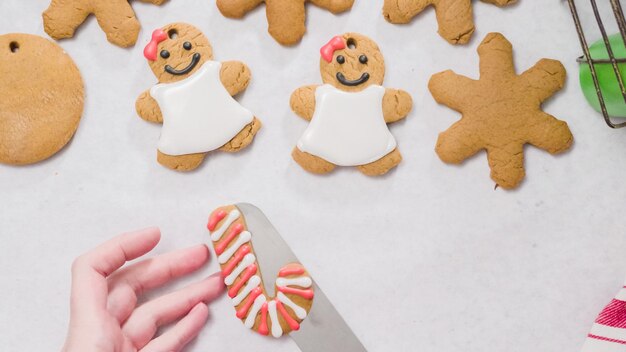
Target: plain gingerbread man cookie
{"points": [[115, 17], [286, 18], [194, 99], [455, 18], [501, 111], [349, 113], [42, 98]]}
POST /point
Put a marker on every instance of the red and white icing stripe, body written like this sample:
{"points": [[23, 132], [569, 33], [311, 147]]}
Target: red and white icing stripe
{"points": [[608, 333], [241, 274]]}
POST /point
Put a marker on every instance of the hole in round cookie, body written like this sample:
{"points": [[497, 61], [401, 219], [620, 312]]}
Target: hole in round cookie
{"points": [[14, 46], [172, 33], [351, 43]]}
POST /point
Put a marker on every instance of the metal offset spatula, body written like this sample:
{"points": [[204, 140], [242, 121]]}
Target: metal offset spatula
{"points": [[324, 329]]}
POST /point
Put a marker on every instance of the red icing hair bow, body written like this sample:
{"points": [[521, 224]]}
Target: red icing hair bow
{"points": [[333, 45], [150, 51]]}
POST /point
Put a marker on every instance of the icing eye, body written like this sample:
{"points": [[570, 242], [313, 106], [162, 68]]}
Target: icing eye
{"points": [[187, 45], [341, 60], [165, 54], [363, 59]]}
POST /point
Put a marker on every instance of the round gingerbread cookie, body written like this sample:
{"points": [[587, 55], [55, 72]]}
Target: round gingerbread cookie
{"points": [[42, 98]]}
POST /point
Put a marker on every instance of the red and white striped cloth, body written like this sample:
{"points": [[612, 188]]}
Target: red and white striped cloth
{"points": [[608, 333]]}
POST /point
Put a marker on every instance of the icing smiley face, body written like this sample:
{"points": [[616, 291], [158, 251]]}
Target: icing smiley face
{"points": [[352, 62], [177, 51]]}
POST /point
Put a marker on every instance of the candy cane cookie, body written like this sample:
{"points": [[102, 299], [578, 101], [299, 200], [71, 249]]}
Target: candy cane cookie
{"points": [[266, 315]]}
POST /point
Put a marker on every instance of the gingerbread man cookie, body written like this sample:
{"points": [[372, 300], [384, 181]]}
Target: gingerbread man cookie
{"points": [[501, 111], [350, 112], [232, 241], [455, 18], [194, 99], [286, 19], [115, 17], [42, 98]]}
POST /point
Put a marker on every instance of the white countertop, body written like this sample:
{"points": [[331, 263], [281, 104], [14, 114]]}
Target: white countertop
{"points": [[429, 258]]}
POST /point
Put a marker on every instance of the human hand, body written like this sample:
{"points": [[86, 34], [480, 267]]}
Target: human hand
{"points": [[104, 313]]}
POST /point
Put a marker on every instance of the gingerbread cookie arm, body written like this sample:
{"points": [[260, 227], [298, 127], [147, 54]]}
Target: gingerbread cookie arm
{"points": [[334, 6], [286, 20], [235, 76], [451, 89], [545, 78], [62, 18], [303, 101], [402, 11], [237, 8], [396, 104], [456, 23], [550, 134], [148, 108], [279, 315], [117, 20]]}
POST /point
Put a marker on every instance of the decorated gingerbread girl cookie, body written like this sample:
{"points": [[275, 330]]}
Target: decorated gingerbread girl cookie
{"points": [[349, 113], [194, 99]]}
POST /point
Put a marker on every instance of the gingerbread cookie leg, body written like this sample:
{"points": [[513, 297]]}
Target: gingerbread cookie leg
{"points": [[237, 8], [180, 162], [243, 138], [507, 165], [402, 11], [312, 163], [62, 18], [455, 18], [334, 6], [286, 20], [118, 21], [382, 166]]}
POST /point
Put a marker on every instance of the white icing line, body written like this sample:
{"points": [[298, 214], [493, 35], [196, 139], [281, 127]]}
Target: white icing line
{"points": [[302, 281], [244, 237], [245, 262], [256, 307], [219, 232], [300, 312], [608, 332], [277, 330], [251, 285]]}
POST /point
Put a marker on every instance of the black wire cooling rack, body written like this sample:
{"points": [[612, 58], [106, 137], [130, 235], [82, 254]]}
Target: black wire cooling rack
{"points": [[621, 23]]}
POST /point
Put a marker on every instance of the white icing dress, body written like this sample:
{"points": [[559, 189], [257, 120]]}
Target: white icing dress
{"points": [[348, 129], [199, 115]]}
